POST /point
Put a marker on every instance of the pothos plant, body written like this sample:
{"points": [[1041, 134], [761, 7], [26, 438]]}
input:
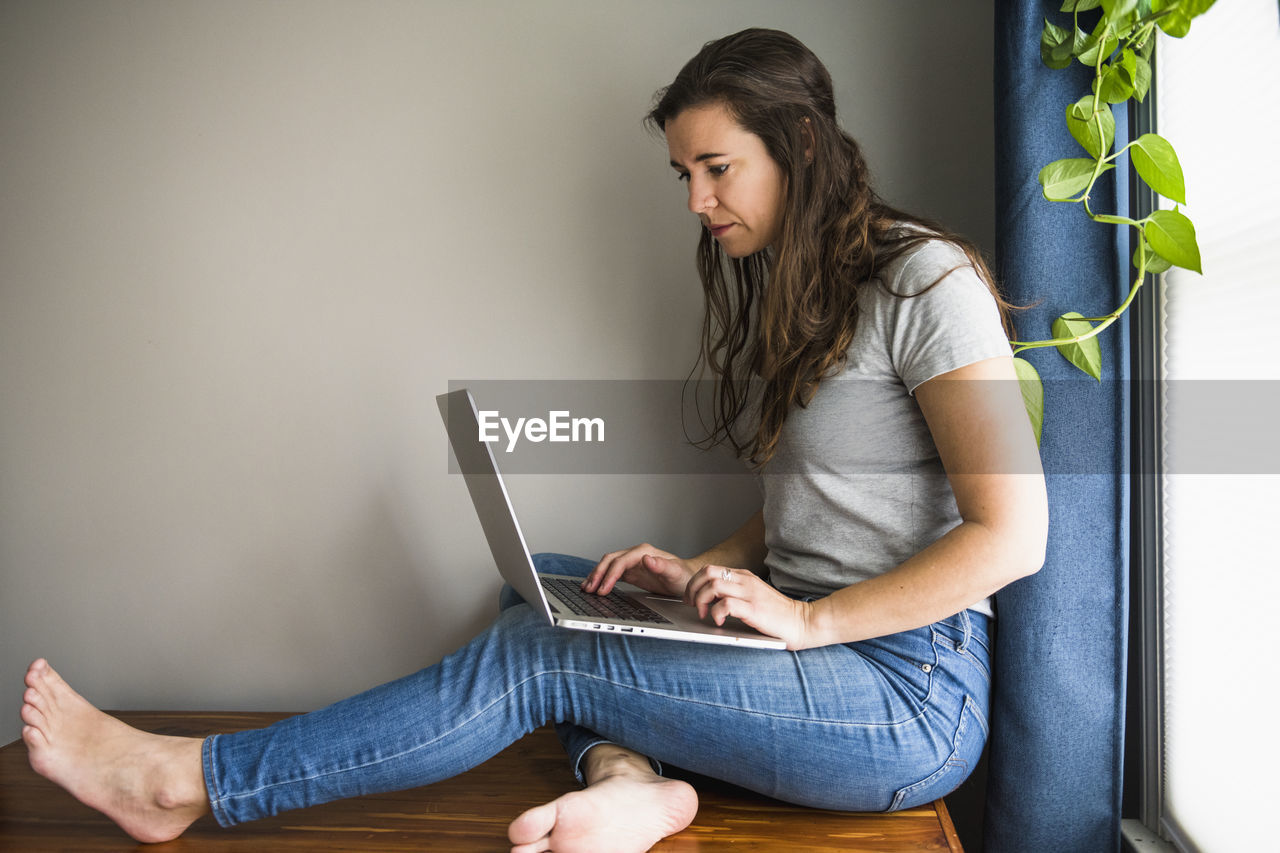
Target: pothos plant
{"points": [[1118, 48]]}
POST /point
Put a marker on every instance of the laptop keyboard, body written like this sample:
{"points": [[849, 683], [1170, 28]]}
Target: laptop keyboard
{"points": [[611, 606]]}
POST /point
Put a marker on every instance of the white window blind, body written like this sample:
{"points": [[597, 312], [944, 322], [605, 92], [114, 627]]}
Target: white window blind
{"points": [[1218, 102]]}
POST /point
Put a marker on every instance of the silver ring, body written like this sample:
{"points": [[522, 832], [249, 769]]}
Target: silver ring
{"points": [[725, 574]]}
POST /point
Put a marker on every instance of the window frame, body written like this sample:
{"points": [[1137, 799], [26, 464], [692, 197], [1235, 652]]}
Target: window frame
{"points": [[1143, 827]]}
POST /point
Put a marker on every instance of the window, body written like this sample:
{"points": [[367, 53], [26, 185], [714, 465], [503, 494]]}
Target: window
{"points": [[1219, 526]]}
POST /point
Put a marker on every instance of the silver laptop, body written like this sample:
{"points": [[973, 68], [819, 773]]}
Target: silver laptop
{"points": [[626, 610]]}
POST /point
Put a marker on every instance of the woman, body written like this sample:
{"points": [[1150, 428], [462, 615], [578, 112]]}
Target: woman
{"points": [[901, 489]]}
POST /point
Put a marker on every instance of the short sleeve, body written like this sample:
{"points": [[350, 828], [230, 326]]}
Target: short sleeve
{"points": [[939, 328]]}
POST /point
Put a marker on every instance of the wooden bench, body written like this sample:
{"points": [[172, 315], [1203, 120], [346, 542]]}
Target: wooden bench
{"points": [[468, 813]]}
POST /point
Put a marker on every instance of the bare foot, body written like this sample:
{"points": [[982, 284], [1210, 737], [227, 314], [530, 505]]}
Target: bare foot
{"points": [[626, 808], [151, 785]]}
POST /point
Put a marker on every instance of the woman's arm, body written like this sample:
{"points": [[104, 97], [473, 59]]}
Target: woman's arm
{"points": [[980, 427], [745, 549]]}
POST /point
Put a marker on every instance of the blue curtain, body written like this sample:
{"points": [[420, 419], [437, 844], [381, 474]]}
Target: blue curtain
{"points": [[1058, 711]]}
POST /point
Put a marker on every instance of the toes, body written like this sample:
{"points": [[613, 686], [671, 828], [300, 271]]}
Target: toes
{"points": [[531, 831], [33, 716], [539, 846], [42, 677], [51, 677], [34, 738], [45, 681], [35, 672], [31, 696]]}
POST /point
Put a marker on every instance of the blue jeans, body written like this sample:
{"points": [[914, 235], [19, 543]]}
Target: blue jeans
{"points": [[876, 725]]}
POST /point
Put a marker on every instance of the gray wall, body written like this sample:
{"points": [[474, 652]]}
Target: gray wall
{"points": [[243, 245]]}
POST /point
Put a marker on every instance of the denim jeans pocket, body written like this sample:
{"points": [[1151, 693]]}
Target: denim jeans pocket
{"points": [[907, 662], [978, 658], [955, 769]]}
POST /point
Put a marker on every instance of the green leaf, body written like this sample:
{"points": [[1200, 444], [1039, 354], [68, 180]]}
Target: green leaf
{"points": [[1032, 394], [1155, 263], [1050, 39], [1080, 5], [1176, 24], [1071, 44], [1046, 57], [1177, 20], [1101, 43], [1052, 33], [1118, 8], [1142, 78], [1094, 133], [1113, 86], [1127, 65], [1157, 163], [1086, 354], [1062, 179], [1174, 237]]}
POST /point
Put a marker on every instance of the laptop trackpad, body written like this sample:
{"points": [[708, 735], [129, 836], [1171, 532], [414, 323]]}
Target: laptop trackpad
{"points": [[680, 613]]}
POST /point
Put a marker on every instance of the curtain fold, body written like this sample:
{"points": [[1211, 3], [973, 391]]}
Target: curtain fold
{"points": [[1058, 706]]}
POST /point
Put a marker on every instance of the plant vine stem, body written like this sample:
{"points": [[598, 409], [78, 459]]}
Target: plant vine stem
{"points": [[1103, 322], [1096, 119], [1118, 153], [1137, 34], [1124, 220]]}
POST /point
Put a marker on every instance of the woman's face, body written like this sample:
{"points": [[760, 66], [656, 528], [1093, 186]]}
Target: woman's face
{"points": [[735, 187]]}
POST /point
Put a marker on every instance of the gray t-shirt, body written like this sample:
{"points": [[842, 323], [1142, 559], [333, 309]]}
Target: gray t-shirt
{"points": [[856, 486]]}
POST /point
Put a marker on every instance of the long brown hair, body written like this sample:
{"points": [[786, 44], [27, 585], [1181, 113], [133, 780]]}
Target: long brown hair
{"points": [[836, 235]]}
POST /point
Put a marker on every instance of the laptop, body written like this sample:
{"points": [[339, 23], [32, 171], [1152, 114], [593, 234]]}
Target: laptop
{"points": [[626, 610]]}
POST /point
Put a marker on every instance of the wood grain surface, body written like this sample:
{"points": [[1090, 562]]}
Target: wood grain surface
{"points": [[467, 813]]}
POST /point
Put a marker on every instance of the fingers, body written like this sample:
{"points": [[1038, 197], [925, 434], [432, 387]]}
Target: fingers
{"points": [[614, 565], [714, 584], [592, 580], [720, 593], [607, 570], [724, 608]]}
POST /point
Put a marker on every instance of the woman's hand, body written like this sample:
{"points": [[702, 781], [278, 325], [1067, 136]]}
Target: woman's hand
{"points": [[722, 592], [645, 566]]}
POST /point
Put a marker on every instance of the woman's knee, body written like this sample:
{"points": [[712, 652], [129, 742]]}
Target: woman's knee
{"points": [[508, 597], [547, 564], [562, 564]]}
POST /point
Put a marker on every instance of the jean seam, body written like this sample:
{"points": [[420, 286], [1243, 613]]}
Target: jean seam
{"points": [[983, 669], [577, 761], [540, 674], [935, 641], [974, 641], [787, 717], [968, 709], [497, 700], [963, 647], [967, 636], [654, 763], [207, 751], [982, 720]]}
